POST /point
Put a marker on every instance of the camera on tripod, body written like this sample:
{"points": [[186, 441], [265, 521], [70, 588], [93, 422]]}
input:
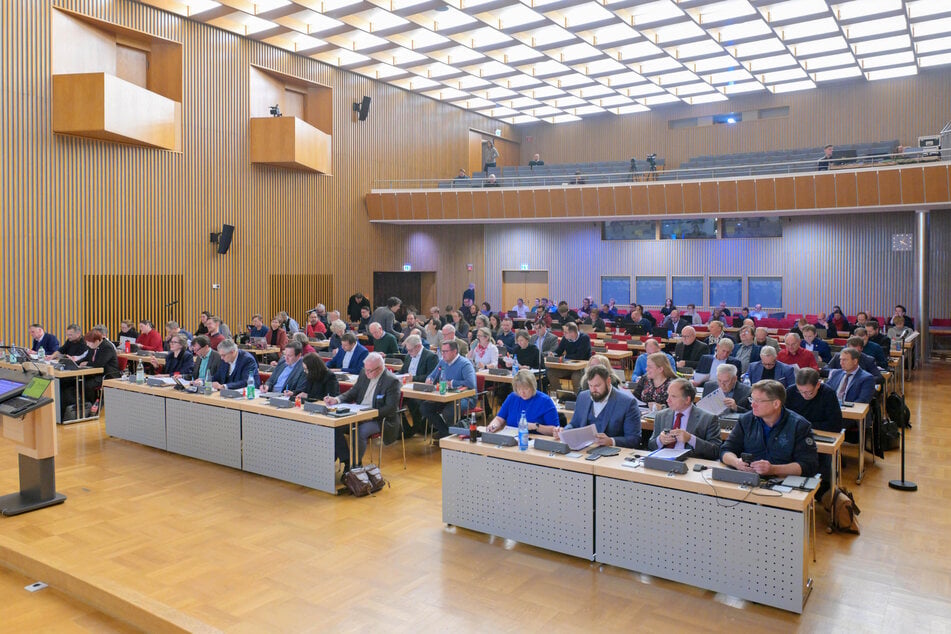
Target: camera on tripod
{"points": [[652, 161]]}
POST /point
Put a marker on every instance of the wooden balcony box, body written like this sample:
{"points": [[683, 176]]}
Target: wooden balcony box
{"points": [[103, 106], [291, 143]]}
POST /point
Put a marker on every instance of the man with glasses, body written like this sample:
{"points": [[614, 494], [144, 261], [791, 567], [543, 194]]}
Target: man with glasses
{"points": [[778, 439], [376, 388], [769, 368], [683, 426], [736, 395], [235, 368], [457, 371], [418, 363], [817, 403]]}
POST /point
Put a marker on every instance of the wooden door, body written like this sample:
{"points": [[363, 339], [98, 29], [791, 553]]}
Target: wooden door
{"points": [[402, 284], [525, 284]]}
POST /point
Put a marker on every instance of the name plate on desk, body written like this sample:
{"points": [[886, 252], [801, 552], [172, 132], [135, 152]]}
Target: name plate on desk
{"points": [[499, 372], [662, 464], [424, 387], [736, 477], [502, 440], [281, 402], [226, 393], [551, 445], [315, 408]]}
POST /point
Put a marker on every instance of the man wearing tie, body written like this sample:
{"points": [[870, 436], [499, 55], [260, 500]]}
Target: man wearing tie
{"points": [[418, 363], [683, 426], [289, 376], [852, 383]]}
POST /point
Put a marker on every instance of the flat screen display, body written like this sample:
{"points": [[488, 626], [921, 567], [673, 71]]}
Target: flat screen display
{"points": [[36, 387], [7, 386]]}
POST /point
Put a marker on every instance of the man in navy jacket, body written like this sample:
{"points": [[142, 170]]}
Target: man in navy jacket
{"points": [[235, 368], [350, 356]]}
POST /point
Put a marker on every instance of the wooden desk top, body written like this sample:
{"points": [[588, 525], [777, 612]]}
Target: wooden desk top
{"points": [[571, 366], [857, 411], [256, 406], [48, 369], [131, 356], [617, 355], [258, 352], [448, 397], [610, 467]]}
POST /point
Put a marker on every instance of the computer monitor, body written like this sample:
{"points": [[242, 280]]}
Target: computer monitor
{"points": [[9, 388], [36, 387]]}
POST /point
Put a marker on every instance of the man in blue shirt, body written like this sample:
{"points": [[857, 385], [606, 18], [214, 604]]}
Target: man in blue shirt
{"points": [[640, 366], [871, 348], [289, 376], [236, 366], [779, 439], [42, 339], [457, 371], [257, 328]]}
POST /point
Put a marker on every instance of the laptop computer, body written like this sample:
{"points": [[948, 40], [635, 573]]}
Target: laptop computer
{"points": [[659, 332], [66, 363], [30, 398], [258, 342]]}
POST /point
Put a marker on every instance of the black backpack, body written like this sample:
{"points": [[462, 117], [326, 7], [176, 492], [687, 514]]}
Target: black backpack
{"points": [[897, 411]]}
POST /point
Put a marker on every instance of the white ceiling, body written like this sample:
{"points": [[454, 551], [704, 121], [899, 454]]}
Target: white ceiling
{"points": [[559, 60]]}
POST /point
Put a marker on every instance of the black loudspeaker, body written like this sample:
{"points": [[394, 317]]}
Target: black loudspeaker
{"points": [[363, 108], [224, 239]]}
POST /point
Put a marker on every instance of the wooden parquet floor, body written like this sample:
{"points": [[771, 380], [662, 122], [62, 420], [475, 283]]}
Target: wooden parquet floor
{"points": [[244, 553]]}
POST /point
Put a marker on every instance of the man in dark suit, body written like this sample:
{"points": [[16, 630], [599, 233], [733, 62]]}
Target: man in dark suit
{"points": [[289, 376], [614, 413], [207, 359], [746, 351], [708, 364], [235, 368], [376, 388], [866, 362], [852, 383], [871, 348], [689, 351], [769, 368], [350, 356], [736, 394], [683, 426], [418, 362], [675, 322]]}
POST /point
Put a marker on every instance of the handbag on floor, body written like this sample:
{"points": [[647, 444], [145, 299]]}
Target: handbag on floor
{"points": [[840, 503], [363, 481]]}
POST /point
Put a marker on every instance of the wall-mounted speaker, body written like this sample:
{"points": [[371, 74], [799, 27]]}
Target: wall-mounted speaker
{"points": [[362, 108], [223, 239]]}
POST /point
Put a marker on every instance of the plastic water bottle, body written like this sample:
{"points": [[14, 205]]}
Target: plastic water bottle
{"points": [[40, 354], [514, 365], [249, 392], [208, 388], [522, 433], [746, 378], [140, 374]]}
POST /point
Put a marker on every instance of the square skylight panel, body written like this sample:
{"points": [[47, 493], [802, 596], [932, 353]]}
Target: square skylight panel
{"points": [[398, 56], [871, 28], [564, 118], [691, 89], [793, 9], [703, 48], [520, 81], [836, 74], [709, 97], [614, 102], [484, 36], [657, 100], [521, 103], [435, 70], [939, 59], [631, 109], [309, 22], [617, 80], [582, 111], [356, 40], [792, 87], [923, 8], [489, 69], [544, 91], [635, 52], [380, 71], [340, 57], [573, 52], [600, 66], [828, 61], [545, 36], [819, 47], [858, 9], [542, 69], [448, 18], [891, 73], [757, 48], [511, 17], [514, 54], [672, 79], [576, 15], [414, 82], [674, 32], [568, 101], [742, 31], [762, 64], [456, 55], [710, 64], [808, 29], [933, 46], [726, 77], [882, 45], [658, 65], [569, 80], [418, 38], [374, 20], [737, 89], [445, 93], [590, 92], [941, 26], [726, 11], [889, 59], [649, 13], [778, 76], [606, 35]]}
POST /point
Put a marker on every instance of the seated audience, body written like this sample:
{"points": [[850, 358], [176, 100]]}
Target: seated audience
{"points": [[149, 338], [315, 329], [376, 388], [319, 381], [762, 339], [675, 323], [351, 355], [850, 382], [689, 350], [652, 387], [544, 340], [746, 351], [668, 307], [817, 403], [651, 346], [301, 338], [564, 315], [206, 359], [779, 439], [574, 346], [172, 329], [716, 334], [769, 368], [288, 377], [102, 354], [614, 413], [127, 328], [794, 354], [825, 160], [683, 426], [418, 363], [257, 328], [484, 354], [898, 330], [383, 342], [708, 364], [236, 367], [871, 348], [866, 362], [520, 309], [364, 323], [907, 322], [526, 353], [74, 347], [536, 161], [538, 408], [692, 315], [875, 334], [758, 312], [179, 360], [812, 343], [215, 336], [337, 330], [276, 336], [736, 394], [505, 336], [457, 371], [202, 328], [604, 362]]}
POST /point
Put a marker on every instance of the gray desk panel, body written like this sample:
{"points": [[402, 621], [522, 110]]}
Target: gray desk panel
{"points": [[288, 450], [741, 549], [136, 417], [535, 505], [205, 432]]}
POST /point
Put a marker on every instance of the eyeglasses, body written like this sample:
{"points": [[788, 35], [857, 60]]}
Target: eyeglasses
{"points": [[760, 401]]}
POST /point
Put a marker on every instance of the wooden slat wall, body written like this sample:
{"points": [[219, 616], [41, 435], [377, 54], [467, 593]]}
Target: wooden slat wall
{"points": [[72, 207], [297, 294], [848, 112], [887, 187], [823, 260], [146, 297]]}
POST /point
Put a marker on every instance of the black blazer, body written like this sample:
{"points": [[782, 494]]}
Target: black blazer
{"points": [[317, 390], [427, 363], [386, 400], [105, 358], [183, 364]]}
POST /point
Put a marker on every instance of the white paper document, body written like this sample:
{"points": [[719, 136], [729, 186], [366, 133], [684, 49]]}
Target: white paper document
{"points": [[579, 438], [166, 380], [505, 431], [713, 403], [669, 453]]}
